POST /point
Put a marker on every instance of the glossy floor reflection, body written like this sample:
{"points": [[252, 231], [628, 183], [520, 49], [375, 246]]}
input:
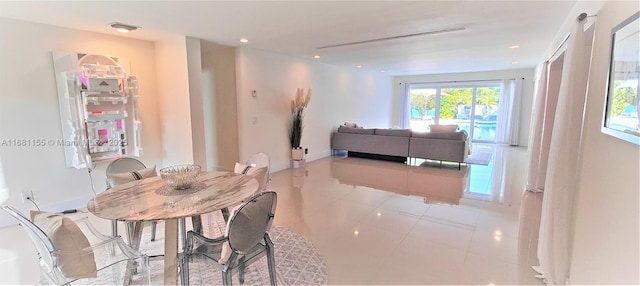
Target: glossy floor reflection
{"points": [[378, 222]]}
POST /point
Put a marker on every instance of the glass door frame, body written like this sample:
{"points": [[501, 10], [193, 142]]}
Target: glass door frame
{"points": [[474, 85]]}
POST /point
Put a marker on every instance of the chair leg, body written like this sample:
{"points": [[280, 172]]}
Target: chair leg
{"points": [[271, 260], [196, 221], [226, 278], [225, 214], [184, 270], [241, 270], [154, 225], [114, 228]]}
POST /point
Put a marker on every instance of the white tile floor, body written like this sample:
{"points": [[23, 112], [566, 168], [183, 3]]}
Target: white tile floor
{"points": [[370, 235]]}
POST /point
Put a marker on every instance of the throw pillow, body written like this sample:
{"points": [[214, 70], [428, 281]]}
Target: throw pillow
{"points": [[123, 178], [74, 260], [350, 124], [226, 248], [443, 128]]}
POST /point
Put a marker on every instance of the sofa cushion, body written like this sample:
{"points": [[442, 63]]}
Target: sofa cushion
{"points": [[393, 132], [458, 135], [443, 128], [344, 129]]}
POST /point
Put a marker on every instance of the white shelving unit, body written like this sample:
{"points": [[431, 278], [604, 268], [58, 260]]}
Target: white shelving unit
{"points": [[98, 109]]}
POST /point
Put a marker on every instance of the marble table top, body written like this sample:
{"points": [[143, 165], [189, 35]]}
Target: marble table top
{"points": [[151, 199]]}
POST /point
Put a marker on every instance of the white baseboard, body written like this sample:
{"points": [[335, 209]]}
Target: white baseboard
{"points": [[308, 158]]}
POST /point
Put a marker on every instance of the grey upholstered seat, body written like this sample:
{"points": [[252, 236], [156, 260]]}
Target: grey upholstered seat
{"points": [[246, 238]]}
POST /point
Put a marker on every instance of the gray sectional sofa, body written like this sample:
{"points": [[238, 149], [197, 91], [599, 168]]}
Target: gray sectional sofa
{"points": [[400, 144]]}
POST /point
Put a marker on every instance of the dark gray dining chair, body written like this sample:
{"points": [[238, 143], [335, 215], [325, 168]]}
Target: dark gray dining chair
{"points": [[245, 241], [124, 165]]}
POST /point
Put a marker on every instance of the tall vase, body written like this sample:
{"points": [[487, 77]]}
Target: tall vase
{"points": [[297, 153]]}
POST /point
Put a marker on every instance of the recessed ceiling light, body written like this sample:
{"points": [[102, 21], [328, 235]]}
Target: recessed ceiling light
{"points": [[514, 46], [359, 66], [123, 28], [514, 62], [381, 70], [244, 40], [316, 56]]}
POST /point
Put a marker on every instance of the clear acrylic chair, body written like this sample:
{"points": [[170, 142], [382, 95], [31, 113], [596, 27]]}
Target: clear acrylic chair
{"points": [[124, 165], [257, 160], [116, 262], [246, 240], [260, 160]]}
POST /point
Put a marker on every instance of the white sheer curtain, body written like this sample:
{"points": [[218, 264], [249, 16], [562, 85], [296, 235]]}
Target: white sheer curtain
{"points": [[509, 109], [500, 174], [562, 176], [535, 141], [4, 191], [404, 114]]}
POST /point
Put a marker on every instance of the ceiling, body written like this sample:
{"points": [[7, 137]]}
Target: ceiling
{"points": [[298, 28]]}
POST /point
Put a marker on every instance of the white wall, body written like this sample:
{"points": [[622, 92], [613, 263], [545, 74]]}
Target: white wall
{"points": [[526, 104], [605, 247], [339, 95], [194, 62], [220, 104], [29, 110], [173, 95]]}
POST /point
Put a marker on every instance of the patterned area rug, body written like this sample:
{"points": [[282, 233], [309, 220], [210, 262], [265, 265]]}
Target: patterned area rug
{"points": [[297, 260]]}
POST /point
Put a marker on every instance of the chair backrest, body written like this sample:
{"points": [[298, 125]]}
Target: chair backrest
{"points": [[44, 245], [122, 165], [248, 225], [259, 160]]}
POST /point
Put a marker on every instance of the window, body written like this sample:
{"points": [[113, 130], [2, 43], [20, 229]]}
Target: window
{"points": [[465, 104]]}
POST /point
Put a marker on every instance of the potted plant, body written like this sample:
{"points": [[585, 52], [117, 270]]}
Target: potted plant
{"points": [[296, 125]]}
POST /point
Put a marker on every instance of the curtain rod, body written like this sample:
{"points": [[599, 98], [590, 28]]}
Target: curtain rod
{"points": [[581, 17]]}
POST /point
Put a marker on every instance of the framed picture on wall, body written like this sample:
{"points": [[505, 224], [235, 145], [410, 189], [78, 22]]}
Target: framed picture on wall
{"points": [[622, 109]]}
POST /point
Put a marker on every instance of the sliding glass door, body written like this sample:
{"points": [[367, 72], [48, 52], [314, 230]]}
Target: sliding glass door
{"points": [[486, 113], [423, 108], [472, 106]]}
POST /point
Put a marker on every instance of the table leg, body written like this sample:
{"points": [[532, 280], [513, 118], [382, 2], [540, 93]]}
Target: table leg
{"points": [[134, 234], [170, 251], [184, 263]]}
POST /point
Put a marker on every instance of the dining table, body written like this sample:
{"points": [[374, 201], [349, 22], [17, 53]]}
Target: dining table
{"points": [[151, 199]]}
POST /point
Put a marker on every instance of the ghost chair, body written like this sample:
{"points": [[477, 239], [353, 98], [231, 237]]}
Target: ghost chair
{"points": [[67, 257], [125, 170], [245, 241]]}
